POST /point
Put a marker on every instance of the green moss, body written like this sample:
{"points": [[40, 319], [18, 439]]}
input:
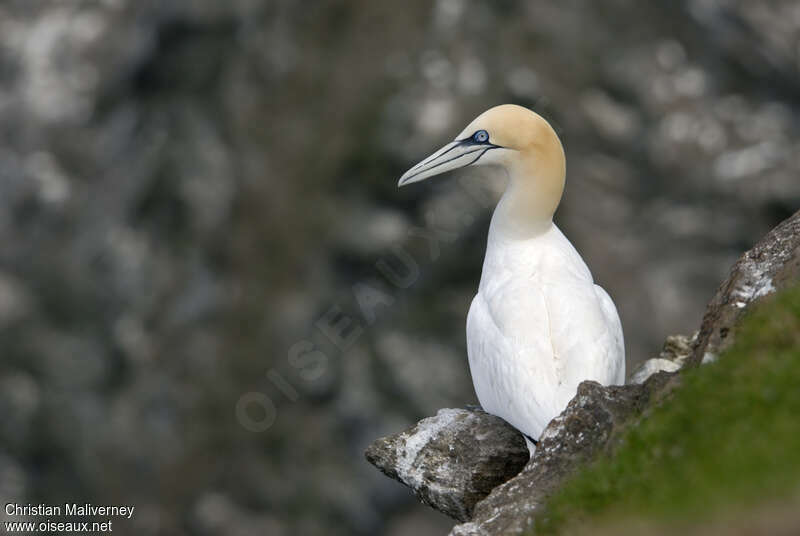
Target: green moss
{"points": [[728, 437]]}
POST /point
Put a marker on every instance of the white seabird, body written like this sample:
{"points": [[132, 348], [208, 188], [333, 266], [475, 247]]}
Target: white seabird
{"points": [[538, 325]]}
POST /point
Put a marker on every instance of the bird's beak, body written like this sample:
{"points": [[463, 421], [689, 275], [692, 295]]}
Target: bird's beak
{"points": [[458, 154]]}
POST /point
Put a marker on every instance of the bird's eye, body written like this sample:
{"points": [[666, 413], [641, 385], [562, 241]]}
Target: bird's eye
{"points": [[481, 136]]}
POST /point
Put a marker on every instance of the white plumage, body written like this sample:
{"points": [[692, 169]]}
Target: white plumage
{"points": [[538, 325], [537, 328]]}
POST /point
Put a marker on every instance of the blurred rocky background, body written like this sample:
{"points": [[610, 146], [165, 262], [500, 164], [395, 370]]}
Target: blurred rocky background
{"points": [[201, 233]]}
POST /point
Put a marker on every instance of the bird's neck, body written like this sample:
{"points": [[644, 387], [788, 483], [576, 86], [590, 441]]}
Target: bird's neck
{"points": [[532, 195]]}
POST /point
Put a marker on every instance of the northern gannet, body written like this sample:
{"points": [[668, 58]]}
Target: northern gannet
{"points": [[538, 325]]}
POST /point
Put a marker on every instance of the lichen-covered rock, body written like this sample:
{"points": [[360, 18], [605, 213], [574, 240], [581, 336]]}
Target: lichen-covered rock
{"points": [[652, 366], [676, 350], [452, 460], [587, 427], [772, 264]]}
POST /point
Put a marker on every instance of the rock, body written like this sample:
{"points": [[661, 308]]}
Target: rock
{"points": [[588, 426], [652, 366], [772, 264], [452, 460], [466, 463], [677, 348]]}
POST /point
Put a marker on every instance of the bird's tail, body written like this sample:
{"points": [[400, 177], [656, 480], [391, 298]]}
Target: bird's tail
{"points": [[531, 443]]}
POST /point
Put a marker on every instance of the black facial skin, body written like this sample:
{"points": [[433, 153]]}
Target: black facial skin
{"points": [[479, 142], [480, 139], [480, 136]]}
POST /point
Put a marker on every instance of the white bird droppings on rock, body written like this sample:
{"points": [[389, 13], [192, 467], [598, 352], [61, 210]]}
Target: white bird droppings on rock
{"points": [[708, 357], [426, 430], [651, 366]]}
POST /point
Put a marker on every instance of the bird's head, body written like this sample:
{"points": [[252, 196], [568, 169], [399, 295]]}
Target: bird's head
{"points": [[509, 136]]}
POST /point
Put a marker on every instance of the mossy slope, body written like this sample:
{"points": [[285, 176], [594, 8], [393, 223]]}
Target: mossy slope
{"points": [[728, 439]]}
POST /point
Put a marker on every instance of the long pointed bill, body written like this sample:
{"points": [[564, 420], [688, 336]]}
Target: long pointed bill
{"points": [[458, 154]]}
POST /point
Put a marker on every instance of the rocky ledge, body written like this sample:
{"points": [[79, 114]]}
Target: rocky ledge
{"points": [[474, 467], [452, 460]]}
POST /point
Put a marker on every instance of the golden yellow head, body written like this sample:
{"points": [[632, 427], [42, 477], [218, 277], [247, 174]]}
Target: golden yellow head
{"points": [[515, 139], [507, 135]]}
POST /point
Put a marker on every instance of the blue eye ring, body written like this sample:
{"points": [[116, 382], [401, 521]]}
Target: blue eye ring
{"points": [[480, 136]]}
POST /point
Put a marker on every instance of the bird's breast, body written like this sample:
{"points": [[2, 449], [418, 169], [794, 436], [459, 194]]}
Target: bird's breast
{"points": [[546, 258], [536, 328]]}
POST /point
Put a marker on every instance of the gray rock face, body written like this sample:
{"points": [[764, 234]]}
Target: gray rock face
{"points": [[676, 350], [467, 463], [453, 460], [587, 427], [772, 264]]}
